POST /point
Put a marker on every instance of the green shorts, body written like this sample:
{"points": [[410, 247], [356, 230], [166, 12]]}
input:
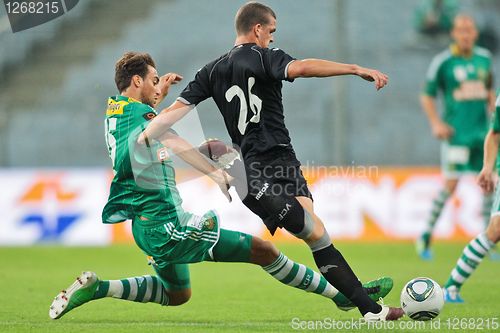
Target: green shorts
{"points": [[188, 238], [182, 238], [459, 160]]}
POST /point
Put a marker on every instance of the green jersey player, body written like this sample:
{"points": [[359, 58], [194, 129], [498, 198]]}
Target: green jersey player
{"points": [[144, 190], [463, 74], [475, 251]]}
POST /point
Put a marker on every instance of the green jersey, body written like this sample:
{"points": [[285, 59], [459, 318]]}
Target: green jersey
{"points": [[465, 84], [144, 179]]}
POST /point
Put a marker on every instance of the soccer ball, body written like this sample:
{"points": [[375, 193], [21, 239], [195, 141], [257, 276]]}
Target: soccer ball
{"points": [[223, 155], [422, 299], [214, 149]]}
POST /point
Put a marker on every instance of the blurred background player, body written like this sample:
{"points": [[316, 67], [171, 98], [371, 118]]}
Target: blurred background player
{"points": [[246, 85], [435, 17], [479, 247], [144, 190], [463, 73]]}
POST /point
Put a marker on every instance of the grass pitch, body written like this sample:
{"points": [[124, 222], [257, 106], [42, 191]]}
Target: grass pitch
{"points": [[229, 297]]}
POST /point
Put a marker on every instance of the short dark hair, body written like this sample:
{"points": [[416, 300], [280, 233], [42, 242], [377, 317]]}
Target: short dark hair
{"points": [[251, 14], [130, 64]]}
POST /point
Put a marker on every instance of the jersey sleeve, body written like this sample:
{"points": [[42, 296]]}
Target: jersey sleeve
{"points": [[433, 78], [488, 65], [495, 121], [276, 63], [197, 90]]}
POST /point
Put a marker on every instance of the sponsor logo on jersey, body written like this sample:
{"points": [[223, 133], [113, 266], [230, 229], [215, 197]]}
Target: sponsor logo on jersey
{"points": [[149, 115], [460, 73], [115, 107], [471, 90], [162, 154]]}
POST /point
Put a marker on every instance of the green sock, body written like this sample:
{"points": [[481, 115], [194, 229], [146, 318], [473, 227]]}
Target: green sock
{"points": [[437, 207], [138, 289], [471, 257], [299, 276]]}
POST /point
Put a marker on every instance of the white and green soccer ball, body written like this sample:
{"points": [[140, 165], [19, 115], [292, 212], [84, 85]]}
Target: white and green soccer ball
{"points": [[422, 299]]}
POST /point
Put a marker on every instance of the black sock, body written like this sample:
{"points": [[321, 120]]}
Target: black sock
{"points": [[336, 270]]}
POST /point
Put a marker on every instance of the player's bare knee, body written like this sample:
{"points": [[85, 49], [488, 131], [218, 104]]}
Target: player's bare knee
{"points": [[270, 251], [304, 223], [263, 252], [317, 233], [179, 297], [319, 240]]}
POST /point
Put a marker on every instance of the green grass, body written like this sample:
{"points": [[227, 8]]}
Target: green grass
{"points": [[226, 297]]}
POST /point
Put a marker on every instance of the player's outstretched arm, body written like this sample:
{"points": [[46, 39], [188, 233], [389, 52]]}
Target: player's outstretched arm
{"points": [[193, 157], [486, 177], [164, 120], [326, 68]]}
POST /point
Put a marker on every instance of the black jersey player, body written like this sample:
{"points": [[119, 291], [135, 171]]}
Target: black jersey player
{"points": [[246, 83]]}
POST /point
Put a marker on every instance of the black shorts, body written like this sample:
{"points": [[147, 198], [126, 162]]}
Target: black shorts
{"points": [[277, 173]]}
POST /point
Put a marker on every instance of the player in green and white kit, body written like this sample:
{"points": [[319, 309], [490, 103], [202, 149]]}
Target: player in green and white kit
{"points": [[144, 190], [479, 247], [463, 74]]}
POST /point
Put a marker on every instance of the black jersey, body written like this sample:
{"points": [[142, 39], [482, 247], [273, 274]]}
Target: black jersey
{"points": [[246, 85]]}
